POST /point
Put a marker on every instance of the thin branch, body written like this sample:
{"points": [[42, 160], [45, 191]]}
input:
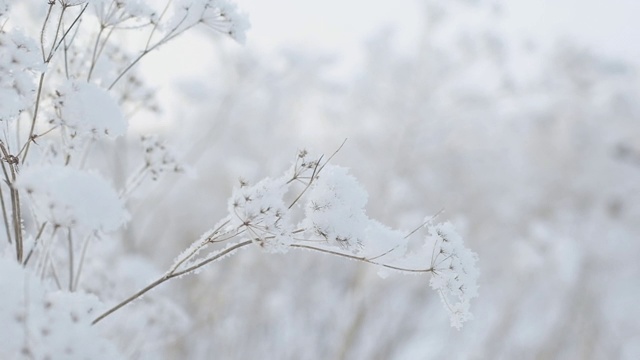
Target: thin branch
{"points": [[425, 223], [170, 36], [83, 255], [44, 26], [169, 276], [4, 214], [207, 240], [55, 35], [33, 119], [15, 199], [316, 171], [313, 176], [334, 154], [359, 258], [95, 51], [70, 244], [35, 243], [70, 27], [213, 258]]}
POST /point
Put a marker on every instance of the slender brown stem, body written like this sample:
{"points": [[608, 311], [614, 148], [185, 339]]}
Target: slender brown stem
{"points": [[70, 244], [131, 298], [83, 255], [359, 258], [75, 21], [33, 119], [170, 36], [213, 258], [94, 58], [44, 25], [54, 47], [35, 242], [169, 276], [5, 218], [15, 199]]}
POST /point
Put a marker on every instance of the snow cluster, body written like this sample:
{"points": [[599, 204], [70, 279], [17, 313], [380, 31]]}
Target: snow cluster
{"points": [[455, 274], [19, 59], [219, 15], [116, 12], [314, 205], [261, 210], [159, 158], [335, 209], [38, 323], [331, 205], [89, 110], [70, 197]]}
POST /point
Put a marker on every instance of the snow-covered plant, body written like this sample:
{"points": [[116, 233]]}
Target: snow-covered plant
{"points": [[68, 91]]}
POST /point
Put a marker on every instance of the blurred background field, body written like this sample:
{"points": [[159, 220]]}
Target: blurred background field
{"points": [[520, 120]]}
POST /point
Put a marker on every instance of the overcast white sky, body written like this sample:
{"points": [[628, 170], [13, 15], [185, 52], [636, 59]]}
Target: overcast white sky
{"points": [[339, 27], [611, 27]]}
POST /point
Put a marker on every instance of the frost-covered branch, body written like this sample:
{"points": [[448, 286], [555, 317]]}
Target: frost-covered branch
{"points": [[331, 204]]}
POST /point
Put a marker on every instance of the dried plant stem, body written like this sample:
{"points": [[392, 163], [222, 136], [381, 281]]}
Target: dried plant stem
{"points": [[33, 119], [85, 246], [5, 217], [173, 33], [15, 199], [169, 276], [71, 271], [35, 242], [54, 48], [359, 258]]}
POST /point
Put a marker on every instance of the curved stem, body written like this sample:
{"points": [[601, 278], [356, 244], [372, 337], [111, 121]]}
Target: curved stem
{"points": [[359, 258], [169, 276], [131, 298]]}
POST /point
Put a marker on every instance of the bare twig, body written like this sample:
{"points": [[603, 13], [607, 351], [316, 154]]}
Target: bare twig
{"points": [[15, 199], [359, 258], [169, 276], [35, 242], [71, 271]]}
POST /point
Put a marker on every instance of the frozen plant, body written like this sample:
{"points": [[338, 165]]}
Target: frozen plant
{"points": [[69, 89], [331, 204]]}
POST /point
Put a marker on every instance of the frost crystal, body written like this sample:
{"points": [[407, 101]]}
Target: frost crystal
{"points": [[70, 197]]}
